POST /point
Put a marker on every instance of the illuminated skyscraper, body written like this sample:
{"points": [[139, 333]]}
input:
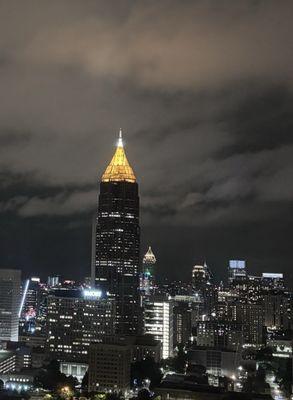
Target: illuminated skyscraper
{"points": [[236, 271], [118, 240], [201, 276], [10, 304], [147, 276], [31, 305], [203, 287], [158, 322]]}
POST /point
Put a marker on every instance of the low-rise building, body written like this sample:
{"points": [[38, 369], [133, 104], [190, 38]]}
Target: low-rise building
{"points": [[19, 381], [144, 346], [216, 361], [7, 361], [75, 369]]}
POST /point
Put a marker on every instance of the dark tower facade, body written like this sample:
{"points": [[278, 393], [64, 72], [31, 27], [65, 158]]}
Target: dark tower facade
{"points": [[118, 240]]}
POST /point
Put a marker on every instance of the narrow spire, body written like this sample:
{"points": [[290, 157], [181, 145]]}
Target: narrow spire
{"points": [[120, 140]]}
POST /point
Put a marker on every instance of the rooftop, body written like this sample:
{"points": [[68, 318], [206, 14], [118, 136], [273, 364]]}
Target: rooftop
{"points": [[5, 354], [119, 168]]}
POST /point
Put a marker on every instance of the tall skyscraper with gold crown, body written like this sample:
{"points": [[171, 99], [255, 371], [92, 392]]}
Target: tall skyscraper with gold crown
{"points": [[118, 240]]}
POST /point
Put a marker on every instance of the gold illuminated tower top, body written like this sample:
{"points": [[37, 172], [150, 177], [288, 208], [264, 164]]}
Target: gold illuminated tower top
{"points": [[119, 169]]}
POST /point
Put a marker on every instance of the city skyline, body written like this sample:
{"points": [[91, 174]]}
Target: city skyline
{"points": [[208, 131], [169, 275], [146, 206]]}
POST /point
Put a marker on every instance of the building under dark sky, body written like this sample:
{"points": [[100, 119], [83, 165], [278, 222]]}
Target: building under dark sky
{"points": [[118, 239], [204, 90]]}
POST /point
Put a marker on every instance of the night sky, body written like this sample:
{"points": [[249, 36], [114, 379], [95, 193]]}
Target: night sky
{"points": [[203, 91]]}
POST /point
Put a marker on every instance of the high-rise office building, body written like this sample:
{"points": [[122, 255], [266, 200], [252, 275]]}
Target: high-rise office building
{"points": [[10, 303], [200, 277], [251, 316], [32, 322], [158, 321], [30, 308], [236, 270], [277, 309], [202, 286], [182, 323], [31, 300], [118, 240], [76, 319], [147, 277], [53, 281]]}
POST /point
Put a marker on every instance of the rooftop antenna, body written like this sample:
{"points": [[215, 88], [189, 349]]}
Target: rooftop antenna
{"points": [[120, 140]]}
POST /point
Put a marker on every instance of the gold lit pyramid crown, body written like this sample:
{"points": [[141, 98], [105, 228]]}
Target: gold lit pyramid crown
{"points": [[119, 168], [149, 257]]}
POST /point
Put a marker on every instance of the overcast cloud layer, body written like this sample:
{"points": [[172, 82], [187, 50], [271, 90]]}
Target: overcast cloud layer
{"points": [[203, 92]]}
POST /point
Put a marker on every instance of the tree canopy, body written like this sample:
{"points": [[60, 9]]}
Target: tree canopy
{"points": [[51, 378]]}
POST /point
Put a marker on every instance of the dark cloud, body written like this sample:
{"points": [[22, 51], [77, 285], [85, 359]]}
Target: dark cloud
{"points": [[61, 204], [203, 91], [13, 139]]}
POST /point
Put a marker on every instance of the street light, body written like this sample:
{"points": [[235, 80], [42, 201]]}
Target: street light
{"points": [[66, 391]]}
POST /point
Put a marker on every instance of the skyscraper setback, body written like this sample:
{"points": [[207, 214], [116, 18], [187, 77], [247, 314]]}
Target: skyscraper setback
{"points": [[118, 240]]}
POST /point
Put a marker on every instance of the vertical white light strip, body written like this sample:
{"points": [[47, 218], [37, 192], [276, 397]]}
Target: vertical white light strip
{"points": [[23, 297]]}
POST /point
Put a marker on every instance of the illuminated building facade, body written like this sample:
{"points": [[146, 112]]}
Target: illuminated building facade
{"points": [[53, 281], [277, 309], [236, 270], [31, 306], [10, 303], [7, 361], [182, 323], [158, 322], [200, 277], [217, 334], [251, 316], [32, 321], [19, 381], [118, 240], [271, 280], [202, 286], [75, 319], [147, 277], [75, 369]]}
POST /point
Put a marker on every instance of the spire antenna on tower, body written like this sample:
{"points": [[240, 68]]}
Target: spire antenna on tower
{"points": [[120, 140]]}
